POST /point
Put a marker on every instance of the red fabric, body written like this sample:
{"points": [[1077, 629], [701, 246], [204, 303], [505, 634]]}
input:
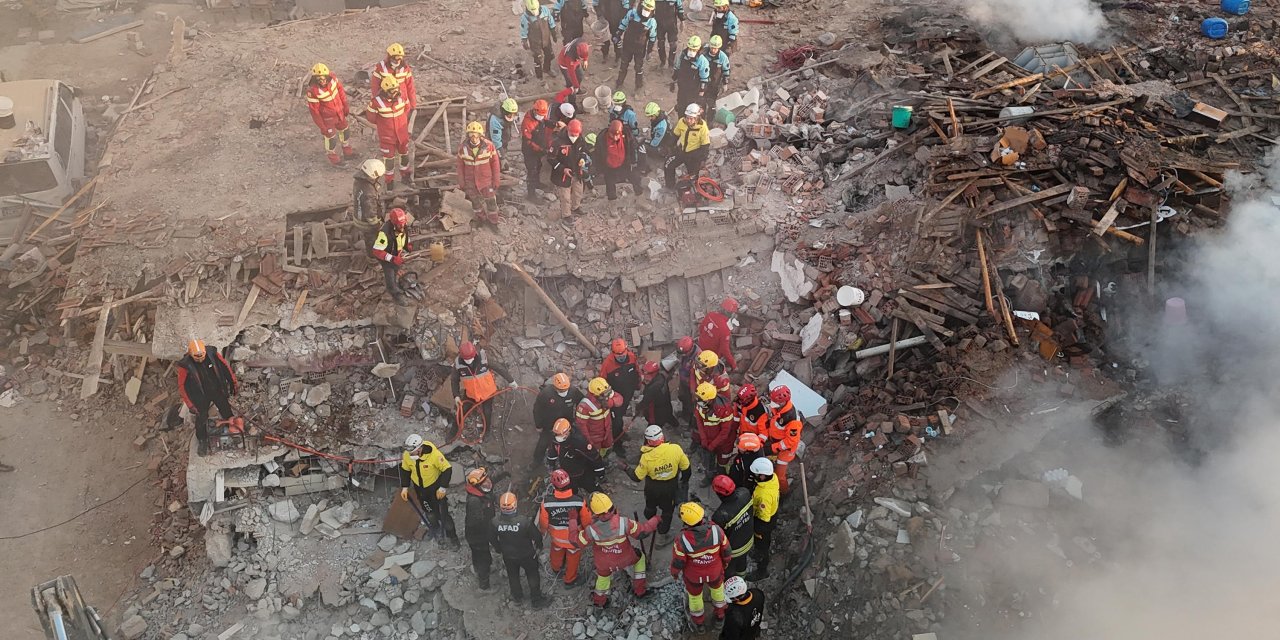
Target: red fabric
{"points": [[714, 334], [598, 431], [622, 555], [479, 169], [528, 127], [611, 363], [404, 74], [182, 389], [717, 437], [570, 63], [391, 117], [704, 569], [328, 105], [615, 152]]}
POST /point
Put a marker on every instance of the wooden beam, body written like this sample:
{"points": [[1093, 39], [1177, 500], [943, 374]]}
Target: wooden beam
{"points": [[1027, 199], [128, 348], [555, 310], [88, 185], [93, 366]]}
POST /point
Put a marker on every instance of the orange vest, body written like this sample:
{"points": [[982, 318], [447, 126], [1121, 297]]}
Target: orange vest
{"points": [[478, 383]]}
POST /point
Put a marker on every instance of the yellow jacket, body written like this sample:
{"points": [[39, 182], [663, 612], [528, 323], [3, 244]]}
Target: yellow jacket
{"points": [[690, 139], [764, 499], [426, 469], [663, 462]]}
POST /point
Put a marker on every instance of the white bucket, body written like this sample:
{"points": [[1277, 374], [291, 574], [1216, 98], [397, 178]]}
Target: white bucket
{"points": [[849, 296], [590, 105], [604, 95], [601, 27]]}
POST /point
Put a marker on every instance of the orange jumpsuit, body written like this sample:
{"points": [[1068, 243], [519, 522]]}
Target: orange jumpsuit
{"points": [[784, 438], [563, 514]]}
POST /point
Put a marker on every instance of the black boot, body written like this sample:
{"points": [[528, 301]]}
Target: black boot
{"points": [[202, 449]]}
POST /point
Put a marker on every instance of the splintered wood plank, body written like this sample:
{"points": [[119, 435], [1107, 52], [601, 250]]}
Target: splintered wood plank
{"points": [[678, 299], [93, 366], [319, 240], [298, 237]]}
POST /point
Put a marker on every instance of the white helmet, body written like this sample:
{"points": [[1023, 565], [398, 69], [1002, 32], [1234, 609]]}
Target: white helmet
{"points": [[414, 441], [566, 110], [762, 467], [693, 109], [735, 587], [374, 168], [652, 432]]}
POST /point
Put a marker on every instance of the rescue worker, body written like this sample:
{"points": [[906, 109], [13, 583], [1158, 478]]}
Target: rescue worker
{"points": [[570, 14], [568, 167], [616, 158], [367, 207], [664, 468], [479, 173], [327, 101], [562, 516], [570, 451], [687, 354], [753, 413], [708, 369], [634, 40], [479, 532], [764, 506], [389, 112], [572, 60], [610, 536], [535, 139], [654, 401], [692, 145], [588, 169], [718, 60], [555, 401], [564, 105], [205, 381], [622, 110], [611, 11], [669, 15], [746, 611], [538, 35], [593, 416], [654, 149], [734, 516], [394, 66], [750, 448], [724, 23], [715, 332], [502, 125], [424, 468], [621, 370], [519, 542], [784, 436], [690, 73], [473, 382], [717, 429], [390, 247], [701, 554]]}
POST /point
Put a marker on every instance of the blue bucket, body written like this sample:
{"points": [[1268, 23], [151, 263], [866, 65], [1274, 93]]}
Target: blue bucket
{"points": [[1236, 7], [1215, 28]]}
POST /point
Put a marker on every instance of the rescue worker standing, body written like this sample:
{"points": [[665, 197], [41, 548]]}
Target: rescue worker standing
{"points": [[621, 371], [568, 167], [479, 173], [784, 438], [570, 451], [670, 14], [481, 509], [690, 73], [701, 553], [764, 506], [622, 110], [634, 40], [594, 414], [390, 247], [687, 363], [718, 60], [715, 331], [664, 468], [692, 144], [717, 429], [746, 611], [570, 13], [724, 23], [367, 207], [611, 11], [708, 369], [519, 542], [609, 535], [424, 468], [734, 516], [572, 61], [555, 401], [750, 448], [654, 148], [205, 381], [393, 66], [502, 125], [616, 156], [538, 35], [562, 516], [654, 401], [535, 138], [389, 113], [473, 382], [327, 101], [753, 414]]}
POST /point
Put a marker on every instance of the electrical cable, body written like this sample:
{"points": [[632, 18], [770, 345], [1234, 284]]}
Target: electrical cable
{"points": [[79, 515]]}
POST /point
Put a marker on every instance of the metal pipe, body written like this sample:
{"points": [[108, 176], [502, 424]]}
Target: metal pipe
{"points": [[884, 348]]}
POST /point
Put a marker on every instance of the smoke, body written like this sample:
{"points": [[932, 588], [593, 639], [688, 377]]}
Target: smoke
{"points": [[1039, 21]]}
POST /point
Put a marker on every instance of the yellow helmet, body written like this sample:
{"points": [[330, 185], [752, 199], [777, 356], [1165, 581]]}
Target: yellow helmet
{"points": [[695, 43], [692, 513], [532, 5], [598, 386], [395, 50], [475, 127], [600, 503], [708, 358], [716, 42], [706, 391], [389, 82], [510, 105], [320, 69]]}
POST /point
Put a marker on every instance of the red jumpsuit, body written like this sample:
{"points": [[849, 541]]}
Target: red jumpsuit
{"points": [[328, 106], [784, 439], [391, 117], [714, 334], [479, 172], [571, 66], [402, 73], [702, 553], [594, 420], [611, 551], [717, 428]]}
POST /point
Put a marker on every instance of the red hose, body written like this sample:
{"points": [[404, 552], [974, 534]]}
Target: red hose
{"points": [[484, 429]]}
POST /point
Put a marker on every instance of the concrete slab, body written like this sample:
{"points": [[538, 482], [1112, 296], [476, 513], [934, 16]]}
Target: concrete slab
{"points": [[202, 473]]}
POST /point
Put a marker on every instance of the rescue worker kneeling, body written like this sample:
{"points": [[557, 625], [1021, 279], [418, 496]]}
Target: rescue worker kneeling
{"points": [[610, 536], [664, 467], [701, 552]]}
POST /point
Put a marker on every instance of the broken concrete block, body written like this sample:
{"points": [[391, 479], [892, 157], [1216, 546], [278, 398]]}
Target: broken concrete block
{"points": [[133, 627], [256, 588], [217, 546], [601, 302], [317, 395], [844, 545], [284, 511], [309, 519], [402, 560], [897, 506]]}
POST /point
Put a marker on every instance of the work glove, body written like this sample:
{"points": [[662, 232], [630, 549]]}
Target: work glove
{"points": [[404, 493], [514, 384], [683, 490], [617, 42], [397, 260], [457, 402], [440, 493]]}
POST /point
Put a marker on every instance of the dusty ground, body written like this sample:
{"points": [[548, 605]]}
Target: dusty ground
{"points": [[65, 466]]}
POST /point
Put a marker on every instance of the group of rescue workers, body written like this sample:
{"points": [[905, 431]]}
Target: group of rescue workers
{"points": [[745, 440]]}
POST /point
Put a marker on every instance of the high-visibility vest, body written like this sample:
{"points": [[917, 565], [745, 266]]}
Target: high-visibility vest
{"points": [[478, 381]]}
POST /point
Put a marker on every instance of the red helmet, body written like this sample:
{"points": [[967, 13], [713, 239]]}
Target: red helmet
{"points": [[560, 478], [684, 344], [541, 108], [780, 395], [746, 393], [649, 368], [398, 217], [618, 346], [730, 305], [723, 485], [615, 128], [583, 50], [575, 127], [467, 351]]}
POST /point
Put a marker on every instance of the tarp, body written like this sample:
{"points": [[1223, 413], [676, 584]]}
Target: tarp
{"points": [[808, 402]]}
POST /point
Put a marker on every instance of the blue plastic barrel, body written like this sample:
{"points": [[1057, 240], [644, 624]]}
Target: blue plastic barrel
{"points": [[1236, 7], [1215, 28]]}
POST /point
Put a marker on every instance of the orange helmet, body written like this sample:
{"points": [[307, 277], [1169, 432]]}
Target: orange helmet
{"points": [[749, 442], [618, 346], [507, 502], [195, 349], [561, 428], [560, 381], [540, 107], [575, 127]]}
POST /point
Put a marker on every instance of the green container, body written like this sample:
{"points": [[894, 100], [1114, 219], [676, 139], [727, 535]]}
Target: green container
{"points": [[901, 117], [725, 116]]}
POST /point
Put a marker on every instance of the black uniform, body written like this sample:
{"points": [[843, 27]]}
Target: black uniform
{"points": [[579, 459], [611, 11], [481, 508], [570, 14], [655, 401], [740, 469], [743, 618], [635, 40], [519, 542], [669, 13], [734, 516], [202, 384], [547, 408], [626, 172], [437, 510], [625, 380]]}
